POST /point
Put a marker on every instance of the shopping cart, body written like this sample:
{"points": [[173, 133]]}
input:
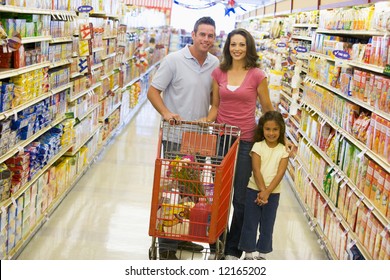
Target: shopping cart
{"points": [[193, 178]]}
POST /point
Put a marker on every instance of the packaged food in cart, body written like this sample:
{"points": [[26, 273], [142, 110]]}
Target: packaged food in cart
{"points": [[193, 178]]}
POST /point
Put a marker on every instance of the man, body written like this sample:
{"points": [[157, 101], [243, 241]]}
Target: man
{"points": [[184, 77]]}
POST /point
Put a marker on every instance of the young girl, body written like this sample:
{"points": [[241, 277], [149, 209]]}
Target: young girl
{"points": [[269, 163]]}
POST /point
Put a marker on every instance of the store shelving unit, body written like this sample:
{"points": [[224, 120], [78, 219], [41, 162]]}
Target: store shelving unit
{"points": [[28, 208], [347, 221]]}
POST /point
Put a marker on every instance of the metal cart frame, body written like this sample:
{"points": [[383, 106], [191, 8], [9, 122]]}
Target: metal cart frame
{"points": [[194, 168]]}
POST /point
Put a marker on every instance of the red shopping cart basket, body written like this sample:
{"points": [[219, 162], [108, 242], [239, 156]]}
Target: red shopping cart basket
{"points": [[193, 178]]}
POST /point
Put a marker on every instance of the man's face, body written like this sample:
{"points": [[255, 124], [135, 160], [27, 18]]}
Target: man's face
{"points": [[204, 38]]}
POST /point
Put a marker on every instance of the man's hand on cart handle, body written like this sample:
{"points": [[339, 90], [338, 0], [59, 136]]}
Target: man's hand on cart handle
{"points": [[172, 118]]}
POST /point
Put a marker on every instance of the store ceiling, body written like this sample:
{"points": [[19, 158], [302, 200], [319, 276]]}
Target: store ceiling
{"points": [[255, 2]]}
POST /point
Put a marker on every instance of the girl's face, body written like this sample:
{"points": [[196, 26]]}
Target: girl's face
{"points": [[237, 47], [271, 132]]}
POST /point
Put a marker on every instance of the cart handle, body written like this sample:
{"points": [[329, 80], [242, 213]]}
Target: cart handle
{"points": [[203, 124]]}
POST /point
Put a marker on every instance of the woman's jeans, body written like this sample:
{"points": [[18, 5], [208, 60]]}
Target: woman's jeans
{"points": [[241, 179], [260, 218]]}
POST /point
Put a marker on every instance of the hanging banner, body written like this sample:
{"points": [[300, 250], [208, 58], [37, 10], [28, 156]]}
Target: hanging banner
{"points": [[196, 7], [160, 4]]}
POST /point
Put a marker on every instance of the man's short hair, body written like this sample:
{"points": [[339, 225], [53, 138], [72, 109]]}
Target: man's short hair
{"points": [[203, 20]]}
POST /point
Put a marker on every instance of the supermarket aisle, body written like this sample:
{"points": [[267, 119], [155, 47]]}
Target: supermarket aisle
{"points": [[106, 215]]}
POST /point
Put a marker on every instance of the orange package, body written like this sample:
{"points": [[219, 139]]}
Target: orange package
{"points": [[385, 195], [369, 178]]}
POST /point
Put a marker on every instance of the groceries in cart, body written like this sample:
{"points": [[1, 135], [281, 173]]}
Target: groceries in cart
{"points": [[193, 179], [185, 208]]}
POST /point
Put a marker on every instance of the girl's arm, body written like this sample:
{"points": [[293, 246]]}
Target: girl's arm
{"points": [[256, 167], [263, 95], [263, 196]]}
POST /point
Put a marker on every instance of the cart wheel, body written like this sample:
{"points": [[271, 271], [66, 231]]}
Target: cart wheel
{"points": [[153, 253]]}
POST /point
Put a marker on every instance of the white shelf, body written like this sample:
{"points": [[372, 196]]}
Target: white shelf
{"points": [[14, 196], [378, 159], [116, 106], [292, 138], [384, 221], [98, 49], [305, 25], [353, 32], [109, 37], [61, 40], [108, 56], [313, 221], [370, 67], [125, 87], [28, 40], [8, 73], [320, 55], [98, 14], [352, 99], [112, 16], [61, 88], [14, 111], [84, 92], [23, 10], [60, 63], [75, 150], [20, 145], [89, 112], [335, 210], [75, 75], [93, 67], [108, 74], [131, 83], [306, 38], [374, 68]]}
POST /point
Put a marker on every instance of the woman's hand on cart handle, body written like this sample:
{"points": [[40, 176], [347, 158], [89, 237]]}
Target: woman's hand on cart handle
{"points": [[204, 122]]}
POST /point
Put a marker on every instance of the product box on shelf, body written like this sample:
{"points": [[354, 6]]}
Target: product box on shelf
{"points": [[363, 224], [378, 241], [61, 167], [3, 233], [385, 195], [352, 211], [372, 237], [370, 223], [33, 203], [42, 193], [384, 251], [11, 227], [19, 219], [342, 198], [72, 167]]}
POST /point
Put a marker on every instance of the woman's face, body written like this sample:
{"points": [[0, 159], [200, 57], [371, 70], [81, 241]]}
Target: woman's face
{"points": [[237, 47]]}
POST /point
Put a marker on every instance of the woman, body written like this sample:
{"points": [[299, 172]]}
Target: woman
{"points": [[237, 84]]}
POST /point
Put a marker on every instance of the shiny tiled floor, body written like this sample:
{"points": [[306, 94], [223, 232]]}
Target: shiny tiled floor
{"points": [[106, 215]]}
